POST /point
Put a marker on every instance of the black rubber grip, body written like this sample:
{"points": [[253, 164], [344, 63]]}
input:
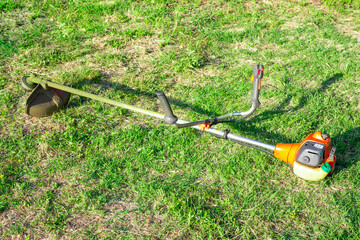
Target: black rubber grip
{"points": [[170, 118]]}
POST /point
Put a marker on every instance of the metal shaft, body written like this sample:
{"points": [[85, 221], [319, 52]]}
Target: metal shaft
{"points": [[93, 96], [238, 138], [212, 131]]}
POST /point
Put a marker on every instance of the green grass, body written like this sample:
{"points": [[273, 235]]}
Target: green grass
{"points": [[95, 171], [343, 4]]}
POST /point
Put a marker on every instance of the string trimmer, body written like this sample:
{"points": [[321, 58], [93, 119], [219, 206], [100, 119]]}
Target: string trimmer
{"points": [[312, 159]]}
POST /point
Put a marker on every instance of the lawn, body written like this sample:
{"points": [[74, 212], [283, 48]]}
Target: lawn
{"points": [[94, 171]]}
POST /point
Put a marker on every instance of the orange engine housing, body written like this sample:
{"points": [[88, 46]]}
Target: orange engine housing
{"points": [[288, 152]]}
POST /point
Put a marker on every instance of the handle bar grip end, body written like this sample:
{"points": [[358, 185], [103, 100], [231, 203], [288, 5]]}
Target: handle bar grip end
{"points": [[170, 118], [258, 71]]}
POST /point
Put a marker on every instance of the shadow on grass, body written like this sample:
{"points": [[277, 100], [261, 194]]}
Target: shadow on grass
{"points": [[347, 148], [106, 84], [303, 100]]}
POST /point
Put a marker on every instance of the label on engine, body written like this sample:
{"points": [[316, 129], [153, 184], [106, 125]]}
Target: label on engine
{"points": [[319, 146]]}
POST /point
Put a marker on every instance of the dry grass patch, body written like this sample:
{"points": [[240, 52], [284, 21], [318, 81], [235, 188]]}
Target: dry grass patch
{"points": [[119, 218], [291, 24], [138, 53], [348, 28], [35, 126]]}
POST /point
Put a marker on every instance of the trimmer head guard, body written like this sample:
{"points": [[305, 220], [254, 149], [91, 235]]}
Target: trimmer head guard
{"points": [[45, 102]]}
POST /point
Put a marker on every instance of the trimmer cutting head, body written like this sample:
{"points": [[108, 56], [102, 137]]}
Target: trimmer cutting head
{"points": [[44, 101]]}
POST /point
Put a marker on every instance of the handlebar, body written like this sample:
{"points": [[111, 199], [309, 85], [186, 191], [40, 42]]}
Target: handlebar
{"points": [[257, 75]]}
